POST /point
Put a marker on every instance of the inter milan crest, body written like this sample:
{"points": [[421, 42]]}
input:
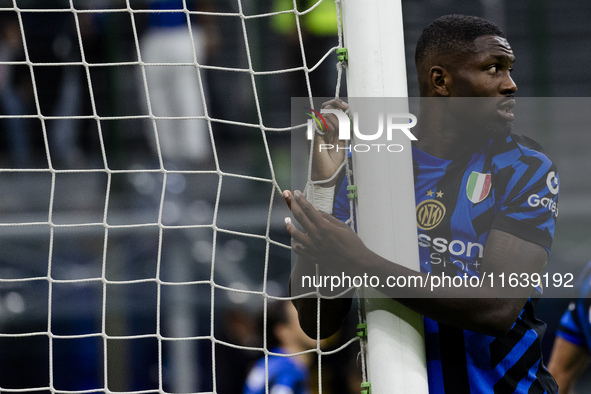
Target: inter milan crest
{"points": [[478, 186], [430, 212]]}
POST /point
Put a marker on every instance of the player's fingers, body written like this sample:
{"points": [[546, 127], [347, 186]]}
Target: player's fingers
{"points": [[331, 121], [299, 236], [336, 103], [300, 243], [301, 250], [299, 214], [288, 197], [331, 219], [311, 214], [341, 104]]}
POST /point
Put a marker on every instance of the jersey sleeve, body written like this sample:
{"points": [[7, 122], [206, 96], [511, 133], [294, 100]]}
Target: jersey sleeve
{"points": [[281, 389], [575, 324], [341, 207], [529, 199], [255, 382], [570, 328]]}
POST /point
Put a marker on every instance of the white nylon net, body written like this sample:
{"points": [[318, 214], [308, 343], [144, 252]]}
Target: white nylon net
{"points": [[145, 146]]}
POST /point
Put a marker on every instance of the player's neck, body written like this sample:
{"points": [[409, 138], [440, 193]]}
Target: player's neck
{"points": [[446, 141], [443, 130]]}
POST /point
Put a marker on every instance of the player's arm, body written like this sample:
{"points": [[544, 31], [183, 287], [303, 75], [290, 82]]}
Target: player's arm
{"points": [[329, 312], [332, 310], [567, 363], [324, 166], [488, 309]]}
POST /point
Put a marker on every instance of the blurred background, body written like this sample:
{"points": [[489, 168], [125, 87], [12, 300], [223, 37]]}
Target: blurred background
{"points": [[136, 253]]}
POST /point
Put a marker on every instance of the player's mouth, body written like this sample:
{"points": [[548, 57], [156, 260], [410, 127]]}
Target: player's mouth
{"points": [[505, 109]]}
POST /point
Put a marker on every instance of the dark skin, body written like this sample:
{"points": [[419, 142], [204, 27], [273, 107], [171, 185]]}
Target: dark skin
{"points": [[567, 363], [484, 73], [335, 248]]}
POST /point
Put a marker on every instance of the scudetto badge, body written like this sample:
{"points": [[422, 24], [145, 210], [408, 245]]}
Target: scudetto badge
{"points": [[429, 214], [478, 186]]}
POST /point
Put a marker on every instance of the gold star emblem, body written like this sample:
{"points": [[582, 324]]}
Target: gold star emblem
{"points": [[440, 194], [430, 193]]}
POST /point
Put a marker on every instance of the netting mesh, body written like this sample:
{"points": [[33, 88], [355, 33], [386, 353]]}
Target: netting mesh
{"points": [[145, 148]]}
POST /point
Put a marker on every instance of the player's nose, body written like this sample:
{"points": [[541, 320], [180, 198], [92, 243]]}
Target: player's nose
{"points": [[508, 85]]}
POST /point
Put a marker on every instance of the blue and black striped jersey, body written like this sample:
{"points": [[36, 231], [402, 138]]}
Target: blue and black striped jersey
{"points": [[508, 185], [286, 375], [575, 324]]}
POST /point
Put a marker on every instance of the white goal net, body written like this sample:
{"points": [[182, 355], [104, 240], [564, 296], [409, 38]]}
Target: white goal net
{"points": [[145, 145]]}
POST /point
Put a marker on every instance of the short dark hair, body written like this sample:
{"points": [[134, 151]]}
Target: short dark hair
{"points": [[453, 34]]}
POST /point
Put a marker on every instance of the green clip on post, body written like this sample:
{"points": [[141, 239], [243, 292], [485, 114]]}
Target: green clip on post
{"points": [[365, 388], [342, 54], [352, 189], [362, 330]]}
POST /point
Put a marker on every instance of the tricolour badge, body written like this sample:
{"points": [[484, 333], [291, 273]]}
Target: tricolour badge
{"points": [[478, 186]]}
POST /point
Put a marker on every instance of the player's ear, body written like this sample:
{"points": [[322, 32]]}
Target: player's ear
{"points": [[439, 79]]}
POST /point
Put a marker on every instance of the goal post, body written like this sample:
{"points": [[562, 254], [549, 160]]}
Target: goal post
{"points": [[373, 37]]}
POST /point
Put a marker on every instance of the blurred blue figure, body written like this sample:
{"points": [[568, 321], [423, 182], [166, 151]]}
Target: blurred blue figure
{"points": [[286, 375], [572, 348]]}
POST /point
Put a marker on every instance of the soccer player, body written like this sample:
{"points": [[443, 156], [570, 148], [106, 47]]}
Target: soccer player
{"points": [[286, 375], [572, 347], [496, 197]]}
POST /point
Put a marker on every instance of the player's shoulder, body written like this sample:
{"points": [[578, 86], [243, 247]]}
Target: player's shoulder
{"points": [[278, 369], [584, 282], [526, 142], [529, 148], [521, 151]]}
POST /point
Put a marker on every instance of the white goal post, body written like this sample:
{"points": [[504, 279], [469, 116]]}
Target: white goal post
{"points": [[373, 34]]}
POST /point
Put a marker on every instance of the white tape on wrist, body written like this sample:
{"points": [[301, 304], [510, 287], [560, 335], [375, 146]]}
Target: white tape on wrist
{"points": [[320, 197]]}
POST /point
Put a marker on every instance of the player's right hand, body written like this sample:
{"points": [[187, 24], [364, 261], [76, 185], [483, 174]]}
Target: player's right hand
{"points": [[325, 162]]}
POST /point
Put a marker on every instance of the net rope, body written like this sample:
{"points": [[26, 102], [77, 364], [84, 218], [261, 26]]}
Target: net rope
{"points": [[105, 225]]}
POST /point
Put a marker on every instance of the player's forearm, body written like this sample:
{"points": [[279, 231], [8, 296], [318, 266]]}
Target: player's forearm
{"points": [[482, 309], [483, 315], [331, 317], [567, 363], [565, 381], [332, 311]]}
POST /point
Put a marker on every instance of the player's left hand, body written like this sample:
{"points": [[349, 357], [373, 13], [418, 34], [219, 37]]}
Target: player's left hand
{"points": [[324, 240]]}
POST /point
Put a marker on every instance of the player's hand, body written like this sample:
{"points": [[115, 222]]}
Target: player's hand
{"points": [[326, 162], [324, 240]]}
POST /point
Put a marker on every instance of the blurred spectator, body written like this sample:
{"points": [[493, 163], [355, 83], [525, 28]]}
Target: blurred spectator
{"points": [[318, 28], [52, 38], [176, 91], [289, 374], [11, 102], [319, 33], [238, 328]]}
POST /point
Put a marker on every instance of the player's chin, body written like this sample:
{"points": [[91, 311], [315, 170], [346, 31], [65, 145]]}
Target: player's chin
{"points": [[498, 130]]}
